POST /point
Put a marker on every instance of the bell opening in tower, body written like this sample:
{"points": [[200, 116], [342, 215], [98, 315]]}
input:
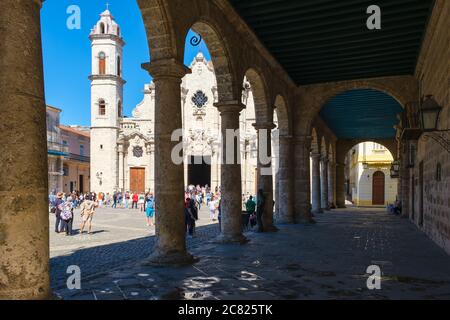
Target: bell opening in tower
{"points": [[199, 171]]}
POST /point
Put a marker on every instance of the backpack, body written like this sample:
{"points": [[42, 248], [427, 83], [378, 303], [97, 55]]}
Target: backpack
{"points": [[66, 211], [150, 203]]}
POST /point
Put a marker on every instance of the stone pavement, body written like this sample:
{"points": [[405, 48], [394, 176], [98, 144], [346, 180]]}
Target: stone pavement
{"points": [[327, 260], [118, 236]]}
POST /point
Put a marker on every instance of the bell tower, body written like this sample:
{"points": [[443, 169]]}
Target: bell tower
{"points": [[106, 102]]}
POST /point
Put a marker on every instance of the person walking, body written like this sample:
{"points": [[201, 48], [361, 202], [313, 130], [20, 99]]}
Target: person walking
{"points": [[194, 211], [134, 200], [141, 202], [67, 215], [250, 206], [56, 204], [189, 217], [212, 208], [87, 213], [150, 210], [261, 199], [114, 205]]}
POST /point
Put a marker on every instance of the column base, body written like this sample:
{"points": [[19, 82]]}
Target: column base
{"points": [[285, 220], [26, 294], [271, 228], [231, 239], [164, 259], [341, 206], [317, 211]]}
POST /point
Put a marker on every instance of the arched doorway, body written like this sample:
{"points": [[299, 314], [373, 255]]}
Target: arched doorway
{"points": [[378, 188]]}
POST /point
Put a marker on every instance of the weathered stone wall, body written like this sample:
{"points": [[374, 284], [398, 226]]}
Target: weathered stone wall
{"points": [[433, 72]]}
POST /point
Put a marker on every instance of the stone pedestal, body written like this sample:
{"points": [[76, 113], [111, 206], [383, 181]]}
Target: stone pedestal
{"points": [[265, 173], [316, 184], [170, 247], [324, 184], [231, 188], [24, 215], [340, 185], [285, 175]]}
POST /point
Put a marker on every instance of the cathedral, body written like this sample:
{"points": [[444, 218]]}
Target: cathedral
{"points": [[122, 148]]}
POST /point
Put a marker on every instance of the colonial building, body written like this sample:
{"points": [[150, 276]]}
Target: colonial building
{"points": [[122, 150], [368, 176], [76, 166], [56, 150]]}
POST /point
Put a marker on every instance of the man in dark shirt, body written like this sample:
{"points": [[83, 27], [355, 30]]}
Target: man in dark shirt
{"points": [[261, 199]]}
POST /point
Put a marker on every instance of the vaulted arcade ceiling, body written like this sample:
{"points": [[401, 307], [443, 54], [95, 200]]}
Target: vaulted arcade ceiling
{"points": [[328, 40]]}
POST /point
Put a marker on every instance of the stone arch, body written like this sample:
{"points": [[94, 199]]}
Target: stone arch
{"points": [[220, 57], [404, 89], [160, 31], [282, 115], [346, 145], [263, 112]]}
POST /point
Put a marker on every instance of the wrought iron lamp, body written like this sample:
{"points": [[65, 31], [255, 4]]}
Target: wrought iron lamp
{"points": [[429, 113], [395, 169]]}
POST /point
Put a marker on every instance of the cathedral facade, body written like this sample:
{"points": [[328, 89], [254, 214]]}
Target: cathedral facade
{"points": [[122, 148]]}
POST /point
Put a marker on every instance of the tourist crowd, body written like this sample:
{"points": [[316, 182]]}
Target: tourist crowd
{"points": [[63, 205]]}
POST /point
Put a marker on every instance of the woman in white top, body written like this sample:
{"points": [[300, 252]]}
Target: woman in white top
{"points": [[212, 208]]}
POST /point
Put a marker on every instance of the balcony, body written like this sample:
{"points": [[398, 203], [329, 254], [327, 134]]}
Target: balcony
{"points": [[77, 157], [57, 148]]}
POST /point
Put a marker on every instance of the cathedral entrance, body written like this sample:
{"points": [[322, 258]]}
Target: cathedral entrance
{"points": [[137, 180], [199, 170]]}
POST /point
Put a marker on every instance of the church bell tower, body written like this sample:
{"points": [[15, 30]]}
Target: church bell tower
{"points": [[106, 102]]}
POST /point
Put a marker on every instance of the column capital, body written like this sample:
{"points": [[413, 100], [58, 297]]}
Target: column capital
{"points": [[264, 125], [166, 68], [316, 156], [232, 106], [302, 139], [285, 139]]}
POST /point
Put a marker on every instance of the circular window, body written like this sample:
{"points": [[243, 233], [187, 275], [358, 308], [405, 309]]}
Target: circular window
{"points": [[199, 99]]}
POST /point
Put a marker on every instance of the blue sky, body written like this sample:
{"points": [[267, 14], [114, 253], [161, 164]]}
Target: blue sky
{"points": [[67, 55]]}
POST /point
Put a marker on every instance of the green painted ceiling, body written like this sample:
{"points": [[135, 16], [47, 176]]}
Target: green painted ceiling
{"points": [[327, 40], [362, 114]]}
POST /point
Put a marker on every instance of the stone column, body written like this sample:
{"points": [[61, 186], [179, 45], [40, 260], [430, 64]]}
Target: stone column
{"points": [[331, 184], [404, 179], [316, 184], [231, 185], [24, 217], [324, 184], [285, 180], [302, 184], [121, 168], [340, 185], [170, 246], [265, 174]]}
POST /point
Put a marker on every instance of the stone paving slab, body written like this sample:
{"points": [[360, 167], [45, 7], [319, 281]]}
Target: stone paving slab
{"points": [[324, 261]]}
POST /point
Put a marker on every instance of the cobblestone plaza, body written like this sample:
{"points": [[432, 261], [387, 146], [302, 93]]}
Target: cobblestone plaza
{"points": [[284, 265]]}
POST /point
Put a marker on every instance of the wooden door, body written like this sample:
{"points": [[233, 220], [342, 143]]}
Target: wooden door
{"points": [[137, 180], [378, 188]]}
